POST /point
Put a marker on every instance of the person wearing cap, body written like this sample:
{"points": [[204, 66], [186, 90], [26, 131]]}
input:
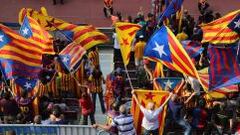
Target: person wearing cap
{"points": [[123, 122], [139, 49]]}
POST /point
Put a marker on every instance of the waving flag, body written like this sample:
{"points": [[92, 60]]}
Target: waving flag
{"points": [[164, 47], [31, 29], [19, 56], [224, 68], [145, 96], [126, 33], [171, 82], [26, 84], [224, 30], [171, 9], [87, 36], [193, 48], [216, 93], [71, 56]]}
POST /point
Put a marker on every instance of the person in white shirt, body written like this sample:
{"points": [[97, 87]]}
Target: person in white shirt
{"points": [[150, 121]]}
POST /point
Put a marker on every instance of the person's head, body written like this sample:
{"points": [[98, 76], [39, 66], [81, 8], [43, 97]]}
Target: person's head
{"points": [[151, 106], [174, 97], [56, 111], [24, 93], [7, 95], [202, 103], [37, 119], [84, 93], [20, 118], [123, 109], [115, 106], [150, 16]]}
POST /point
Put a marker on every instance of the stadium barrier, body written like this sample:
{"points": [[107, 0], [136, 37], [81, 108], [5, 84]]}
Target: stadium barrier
{"points": [[30, 129]]}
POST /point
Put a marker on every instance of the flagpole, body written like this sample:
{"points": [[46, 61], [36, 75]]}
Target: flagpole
{"points": [[129, 79]]}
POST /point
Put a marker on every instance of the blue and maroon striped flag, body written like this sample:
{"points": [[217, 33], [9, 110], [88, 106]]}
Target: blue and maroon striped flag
{"points": [[193, 48], [224, 69]]}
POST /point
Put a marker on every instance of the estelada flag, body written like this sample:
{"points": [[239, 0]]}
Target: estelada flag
{"points": [[145, 96], [223, 30], [31, 29], [125, 34], [87, 36], [164, 47]]}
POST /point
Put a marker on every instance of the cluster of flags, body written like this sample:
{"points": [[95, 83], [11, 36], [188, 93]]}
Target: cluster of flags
{"points": [[22, 54], [164, 49]]}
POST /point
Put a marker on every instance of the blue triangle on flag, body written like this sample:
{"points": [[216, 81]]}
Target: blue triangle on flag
{"points": [[25, 29], [26, 84], [171, 82]]}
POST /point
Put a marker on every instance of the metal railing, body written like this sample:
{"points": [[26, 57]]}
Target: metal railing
{"points": [[30, 129]]}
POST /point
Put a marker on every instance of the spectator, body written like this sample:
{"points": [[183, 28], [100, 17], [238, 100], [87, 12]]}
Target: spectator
{"points": [[37, 119], [203, 6], [108, 8], [55, 2], [182, 36], [138, 50], [97, 90], [56, 116], [25, 104], [123, 122], [150, 121], [8, 105], [87, 106]]}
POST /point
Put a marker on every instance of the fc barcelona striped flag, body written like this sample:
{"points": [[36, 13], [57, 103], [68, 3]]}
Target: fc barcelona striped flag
{"points": [[164, 47], [32, 30], [145, 96], [71, 56], [223, 30], [126, 33], [87, 36], [224, 69], [19, 56], [216, 93], [193, 48]]}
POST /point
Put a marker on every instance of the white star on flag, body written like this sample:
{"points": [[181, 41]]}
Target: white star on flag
{"points": [[28, 85], [47, 77], [65, 59], [159, 49], [25, 31], [237, 24], [1, 38], [168, 83]]}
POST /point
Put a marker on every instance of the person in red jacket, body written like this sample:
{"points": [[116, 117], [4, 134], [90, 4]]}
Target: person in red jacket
{"points": [[87, 106]]}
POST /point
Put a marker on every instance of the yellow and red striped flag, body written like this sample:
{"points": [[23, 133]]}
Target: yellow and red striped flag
{"points": [[145, 96], [88, 36], [219, 31], [126, 33], [30, 29]]}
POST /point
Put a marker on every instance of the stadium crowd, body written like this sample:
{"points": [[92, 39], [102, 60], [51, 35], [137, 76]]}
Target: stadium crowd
{"points": [[189, 109]]}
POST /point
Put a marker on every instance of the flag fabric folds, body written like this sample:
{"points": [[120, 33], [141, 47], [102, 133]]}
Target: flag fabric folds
{"points": [[19, 56], [87, 36], [216, 93], [171, 9], [171, 82], [145, 96], [164, 47], [224, 30], [224, 69], [26, 84], [31, 29], [70, 57], [193, 48], [125, 34]]}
